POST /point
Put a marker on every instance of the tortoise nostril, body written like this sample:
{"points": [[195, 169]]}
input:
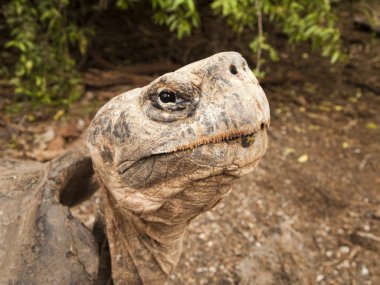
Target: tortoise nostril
{"points": [[262, 127], [233, 69]]}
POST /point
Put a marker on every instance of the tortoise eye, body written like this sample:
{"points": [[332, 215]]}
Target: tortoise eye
{"points": [[167, 96]]}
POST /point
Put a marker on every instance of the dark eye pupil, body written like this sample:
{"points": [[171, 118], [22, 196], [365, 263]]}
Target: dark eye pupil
{"points": [[167, 97]]}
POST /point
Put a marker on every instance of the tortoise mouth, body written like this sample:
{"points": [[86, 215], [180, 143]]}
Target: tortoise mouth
{"points": [[247, 138]]}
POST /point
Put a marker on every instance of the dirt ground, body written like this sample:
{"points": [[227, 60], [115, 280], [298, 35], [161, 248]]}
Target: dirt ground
{"points": [[310, 213]]}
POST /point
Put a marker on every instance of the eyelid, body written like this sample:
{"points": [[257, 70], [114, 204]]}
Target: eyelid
{"points": [[177, 106], [159, 90], [181, 92]]}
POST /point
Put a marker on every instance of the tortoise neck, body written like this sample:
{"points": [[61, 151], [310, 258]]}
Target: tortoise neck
{"points": [[142, 252], [146, 236]]}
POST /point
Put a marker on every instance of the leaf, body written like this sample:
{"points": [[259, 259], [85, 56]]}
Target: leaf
{"points": [[59, 114], [335, 57], [371, 126], [324, 108], [288, 150], [303, 158], [345, 145], [29, 65]]}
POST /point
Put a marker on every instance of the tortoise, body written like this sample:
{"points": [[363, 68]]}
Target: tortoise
{"points": [[160, 155]]}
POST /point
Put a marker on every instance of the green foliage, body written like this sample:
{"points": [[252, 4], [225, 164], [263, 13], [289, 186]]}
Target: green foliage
{"points": [[311, 21], [179, 15], [122, 4], [42, 35], [302, 20], [239, 14]]}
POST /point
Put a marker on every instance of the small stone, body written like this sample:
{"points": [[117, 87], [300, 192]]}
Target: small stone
{"points": [[329, 253], [202, 236], [367, 228], [212, 269], [210, 244], [80, 125], [345, 264], [89, 95], [344, 249], [320, 277], [353, 214], [364, 270]]}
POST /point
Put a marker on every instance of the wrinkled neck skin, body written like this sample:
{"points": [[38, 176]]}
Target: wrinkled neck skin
{"points": [[146, 245]]}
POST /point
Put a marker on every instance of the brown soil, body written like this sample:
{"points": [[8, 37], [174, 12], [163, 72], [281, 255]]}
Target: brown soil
{"points": [[310, 213]]}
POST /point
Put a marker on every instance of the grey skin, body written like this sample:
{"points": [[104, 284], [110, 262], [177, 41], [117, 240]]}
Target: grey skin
{"points": [[169, 151], [162, 154]]}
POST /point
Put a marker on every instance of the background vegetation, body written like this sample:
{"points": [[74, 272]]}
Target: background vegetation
{"points": [[46, 41]]}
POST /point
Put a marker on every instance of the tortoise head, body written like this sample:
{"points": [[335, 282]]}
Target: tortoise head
{"points": [[169, 151]]}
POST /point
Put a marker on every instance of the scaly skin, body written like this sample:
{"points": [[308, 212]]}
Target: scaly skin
{"points": [[169, 151]]}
